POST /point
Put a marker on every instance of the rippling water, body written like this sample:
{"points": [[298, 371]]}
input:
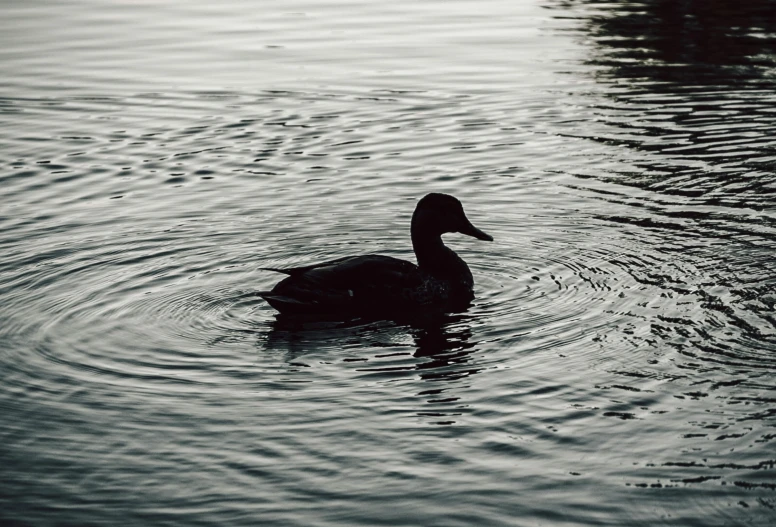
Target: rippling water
{"points": [[617, 367]]}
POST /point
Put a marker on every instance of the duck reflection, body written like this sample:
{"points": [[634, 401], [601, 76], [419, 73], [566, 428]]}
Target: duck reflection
{"points": [[447, 349], [443, 338], [435, 349]]}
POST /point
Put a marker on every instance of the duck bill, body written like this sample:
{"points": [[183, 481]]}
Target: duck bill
{"points": [[470, 230]]}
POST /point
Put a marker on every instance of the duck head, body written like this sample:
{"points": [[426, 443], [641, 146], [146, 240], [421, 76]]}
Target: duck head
{"points": [[437, 214]]}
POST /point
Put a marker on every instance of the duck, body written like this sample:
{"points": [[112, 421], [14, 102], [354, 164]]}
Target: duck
{"points": [[374, 284]]}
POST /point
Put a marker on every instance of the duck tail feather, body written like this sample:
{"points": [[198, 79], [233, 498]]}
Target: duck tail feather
{"points": [[282, 303], [278, 270]]}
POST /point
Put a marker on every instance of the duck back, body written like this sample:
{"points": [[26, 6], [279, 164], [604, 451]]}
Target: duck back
{"points": [[354, 284]]}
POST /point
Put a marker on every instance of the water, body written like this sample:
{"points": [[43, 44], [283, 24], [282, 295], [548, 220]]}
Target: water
{"points": [[617, 367]]}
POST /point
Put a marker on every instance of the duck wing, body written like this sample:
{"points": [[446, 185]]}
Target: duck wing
{"points": [[354, 284], [295, 271]]}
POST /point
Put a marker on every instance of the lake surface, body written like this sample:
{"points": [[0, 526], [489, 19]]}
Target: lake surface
{"points": [[618, 366]]}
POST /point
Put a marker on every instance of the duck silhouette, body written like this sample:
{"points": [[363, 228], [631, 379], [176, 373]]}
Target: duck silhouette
{"points": [[377, 285]]}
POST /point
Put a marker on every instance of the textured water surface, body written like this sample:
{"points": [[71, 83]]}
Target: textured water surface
{"points": [[616, 368]]}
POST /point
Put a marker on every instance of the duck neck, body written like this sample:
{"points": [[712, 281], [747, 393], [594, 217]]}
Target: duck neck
{"points": [[430, 251], [437, 259], [433, 256]]}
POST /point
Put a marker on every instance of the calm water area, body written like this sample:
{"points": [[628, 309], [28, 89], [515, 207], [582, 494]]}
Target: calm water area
{"points": [[618, 364]]}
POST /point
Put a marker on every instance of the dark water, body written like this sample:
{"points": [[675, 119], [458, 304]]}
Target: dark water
{"points": [[617, 367]]}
